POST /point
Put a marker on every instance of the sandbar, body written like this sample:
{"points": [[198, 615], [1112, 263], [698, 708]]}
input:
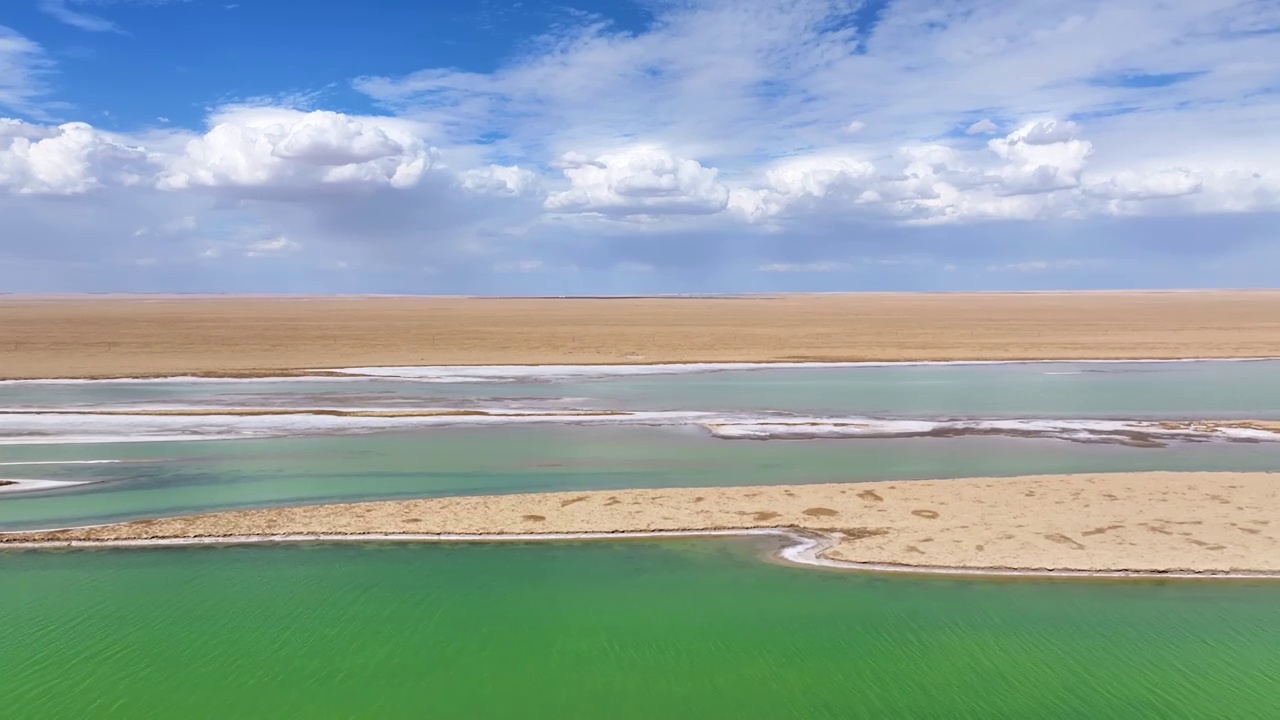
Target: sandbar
{"points": [[17, 485], [1153, 522], [155, 336]]}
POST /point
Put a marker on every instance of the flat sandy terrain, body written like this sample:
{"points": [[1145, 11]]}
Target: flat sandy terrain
{"points": [[147, 336], [1152, 522]]}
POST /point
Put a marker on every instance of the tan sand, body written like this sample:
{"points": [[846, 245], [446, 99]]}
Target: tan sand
{"points": [[337, 412], [149, 336], [1145, 522], [1208, 426]]}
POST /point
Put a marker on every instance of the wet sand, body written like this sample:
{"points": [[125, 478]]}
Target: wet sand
{"points": [[108, 336], [1157, 522]]}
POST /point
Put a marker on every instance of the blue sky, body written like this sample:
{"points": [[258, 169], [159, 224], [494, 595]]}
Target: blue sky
{"points": [[652, 146]]}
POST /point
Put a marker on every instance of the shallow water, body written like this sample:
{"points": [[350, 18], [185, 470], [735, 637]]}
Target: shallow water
{"points": [[622, 629], [150, 479], [625, 630], [1100, 390], [158, 479]]}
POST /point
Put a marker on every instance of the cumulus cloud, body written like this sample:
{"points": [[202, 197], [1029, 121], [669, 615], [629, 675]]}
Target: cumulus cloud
{"points": [[724, 133], [929, 183], [1041, 156], [265, 151], [807, 179], [500, 180], [1130, 185], [642, 180], [68, 159]]}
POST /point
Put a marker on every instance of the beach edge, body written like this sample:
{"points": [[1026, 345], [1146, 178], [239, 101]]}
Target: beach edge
{"points": [[804, 548]]}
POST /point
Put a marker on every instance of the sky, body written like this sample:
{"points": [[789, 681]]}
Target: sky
{"points": [[647, 146]]}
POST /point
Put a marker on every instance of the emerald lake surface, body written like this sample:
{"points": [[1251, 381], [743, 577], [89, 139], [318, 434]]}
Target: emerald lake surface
{"points": [[639, 629], [619, 630]]}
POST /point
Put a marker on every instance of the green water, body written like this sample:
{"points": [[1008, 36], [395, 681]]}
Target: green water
{"points": [[609, 630], [172, 478], [698, 629]]}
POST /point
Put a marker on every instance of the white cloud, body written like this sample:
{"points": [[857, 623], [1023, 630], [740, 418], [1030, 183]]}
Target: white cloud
{"points": [[280, 245], [253, 149], [632, 266], [61, 11], [758, 107], [500, 180], [982, 127], [1130, 185], [641, 180], [23, 65], [65, 11], [1042, 156], [807, 179], [67, 159], [930, 183], [784, 85], [810, 267], [519, 266], [1031, 266]]}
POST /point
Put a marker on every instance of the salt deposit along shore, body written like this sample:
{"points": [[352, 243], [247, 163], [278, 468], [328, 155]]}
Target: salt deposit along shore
{"points": [[1218, 523]]}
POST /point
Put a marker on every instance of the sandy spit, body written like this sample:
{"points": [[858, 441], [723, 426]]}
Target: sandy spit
{"points": [[1115, 523], [238, 336], [16, 485], [327, 412]]}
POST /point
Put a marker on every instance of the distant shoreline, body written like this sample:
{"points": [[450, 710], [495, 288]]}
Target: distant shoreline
{"points": [[281, 336], [594, 370]]}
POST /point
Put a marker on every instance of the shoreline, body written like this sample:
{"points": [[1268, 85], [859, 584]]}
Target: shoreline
{"points": [[1157, 523], [81, 424], [804, 549], [539, 371], [24, 485]]}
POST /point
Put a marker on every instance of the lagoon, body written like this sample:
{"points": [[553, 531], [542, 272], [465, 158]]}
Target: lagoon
{"points": [[621, 629]]}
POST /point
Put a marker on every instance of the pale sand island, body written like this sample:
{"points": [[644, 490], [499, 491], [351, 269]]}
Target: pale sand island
{"points": [[1156, 522], [147, 336]]}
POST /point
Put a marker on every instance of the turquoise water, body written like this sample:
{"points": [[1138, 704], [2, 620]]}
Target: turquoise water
{"points": [[1195, 390], [167, 478], [617, 630], [172, 478]]}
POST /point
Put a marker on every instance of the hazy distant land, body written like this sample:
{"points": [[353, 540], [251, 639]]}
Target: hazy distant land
{"points": [[119, 336]]}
